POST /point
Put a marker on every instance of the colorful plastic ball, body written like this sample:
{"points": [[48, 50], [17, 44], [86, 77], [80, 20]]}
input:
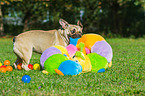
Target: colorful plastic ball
{"points": [[3, 70], [47, 53], [30, 66], [7, 62], [89, 40], [71, 49], [19, 66], [98, 62], [1, 64], [26, 79], [9, 68], [53, 62], [104, 49], [69, 67], [62, 49], [36, 67]]}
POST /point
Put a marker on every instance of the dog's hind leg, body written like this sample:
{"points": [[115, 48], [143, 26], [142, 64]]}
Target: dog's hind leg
{"points": [[23, 56], [18, 54], [26, 58]]}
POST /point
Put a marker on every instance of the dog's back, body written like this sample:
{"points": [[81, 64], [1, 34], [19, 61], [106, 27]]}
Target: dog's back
{"points": [[37, 40]]}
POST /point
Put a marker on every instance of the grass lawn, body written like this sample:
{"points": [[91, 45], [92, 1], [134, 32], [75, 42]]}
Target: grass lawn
{"points": [[125, 77]]}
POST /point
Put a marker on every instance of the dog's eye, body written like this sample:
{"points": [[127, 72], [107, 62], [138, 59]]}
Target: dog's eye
{"points": [[73, 31], [80, 32]]}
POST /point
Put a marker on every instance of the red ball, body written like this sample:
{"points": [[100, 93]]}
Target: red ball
{"points": [[30, 66], [3, 66]]}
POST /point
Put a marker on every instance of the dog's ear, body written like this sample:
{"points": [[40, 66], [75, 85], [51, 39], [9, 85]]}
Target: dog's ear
{"points": [[63, 23], [80, 24]]}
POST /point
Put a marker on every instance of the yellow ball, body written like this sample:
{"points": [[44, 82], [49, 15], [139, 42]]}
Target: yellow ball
{"points": [[62, 49], [36, 67], [1, 64]]}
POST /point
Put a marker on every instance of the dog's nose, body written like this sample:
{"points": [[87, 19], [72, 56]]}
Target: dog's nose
{"points": [[76, 36]]}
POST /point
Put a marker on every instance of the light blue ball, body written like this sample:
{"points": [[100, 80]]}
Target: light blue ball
{"points": [[73, 41], [70, 67]]}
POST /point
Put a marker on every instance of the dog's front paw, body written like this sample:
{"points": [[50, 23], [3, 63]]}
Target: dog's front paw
{"points": [[25, 67]]}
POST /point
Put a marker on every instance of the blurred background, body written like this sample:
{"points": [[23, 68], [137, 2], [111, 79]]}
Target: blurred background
{"points": [[109, 18]]}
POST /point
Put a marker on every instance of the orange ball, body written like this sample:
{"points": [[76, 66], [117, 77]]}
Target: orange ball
{"points": [[9, 68], [89, 40], [19, 66], [7, 62], [3, 70]]}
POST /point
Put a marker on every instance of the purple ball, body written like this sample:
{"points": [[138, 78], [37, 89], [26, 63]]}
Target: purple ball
{"points": [[104, 49], [47, 53]]}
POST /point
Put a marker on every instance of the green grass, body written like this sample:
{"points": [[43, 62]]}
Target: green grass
{"points": [[125, 77]]}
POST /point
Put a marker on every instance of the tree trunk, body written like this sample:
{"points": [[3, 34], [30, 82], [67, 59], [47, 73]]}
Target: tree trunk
{"points": [[25, 25], [1, 23], [26, 20]]}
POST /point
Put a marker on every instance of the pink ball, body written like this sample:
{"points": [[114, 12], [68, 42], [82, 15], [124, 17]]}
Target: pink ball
{"points": [[71, 49], [87, 50]]}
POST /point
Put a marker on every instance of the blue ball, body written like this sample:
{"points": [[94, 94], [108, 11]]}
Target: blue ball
{"points": [[73, 41], [101, 70], [26, 78], [70, 67]]}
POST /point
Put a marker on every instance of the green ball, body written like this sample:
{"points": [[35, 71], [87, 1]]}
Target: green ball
{"points": [[98, 62], [53, 62]]}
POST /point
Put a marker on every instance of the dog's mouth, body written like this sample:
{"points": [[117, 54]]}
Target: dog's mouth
{"points": [[76, 36]]}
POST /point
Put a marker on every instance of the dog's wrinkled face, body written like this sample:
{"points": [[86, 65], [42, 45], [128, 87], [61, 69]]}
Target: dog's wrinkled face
{"points": [[73, 31]]}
